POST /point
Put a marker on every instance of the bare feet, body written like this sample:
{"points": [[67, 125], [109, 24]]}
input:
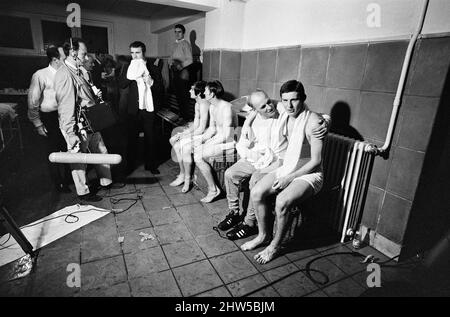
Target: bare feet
{"points": [[266, 255], [253, 244], [187, 185], [178, 181], [211, 196]]}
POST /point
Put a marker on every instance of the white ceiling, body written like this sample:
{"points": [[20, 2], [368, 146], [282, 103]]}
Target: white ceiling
{"points": [[134, 8]]}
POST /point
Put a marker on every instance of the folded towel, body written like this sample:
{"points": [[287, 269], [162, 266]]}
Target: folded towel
{"points": [[293, 152], [138, 71]]}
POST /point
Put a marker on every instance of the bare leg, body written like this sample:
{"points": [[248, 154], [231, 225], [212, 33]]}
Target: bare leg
{"points": [[200, 158], [180, 178], [295, 193], [258, 196]]}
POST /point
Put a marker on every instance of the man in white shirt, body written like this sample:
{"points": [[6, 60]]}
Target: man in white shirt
{"points": [[180, 63], [262, 146], [43, 114]]}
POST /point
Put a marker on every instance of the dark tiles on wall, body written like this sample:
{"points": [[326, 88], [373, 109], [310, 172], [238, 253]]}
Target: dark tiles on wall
{"points": [[405, 171], [267, 86], [206, 66], [374, 115], [215, 64], [231, 87], [246, 86], [372, 207], [288, 64], [418, 114], [341, 101], [249, 62], [266, 65], [346, 66], [394, 217], [231, 65], [383, 67], [381, 167], [431, 64], [315, 97], [313, 65]]}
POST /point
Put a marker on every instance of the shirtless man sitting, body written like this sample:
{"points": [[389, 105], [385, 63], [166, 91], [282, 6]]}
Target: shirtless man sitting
{"points": [[296, 180], [184, 142], [217, 138]]}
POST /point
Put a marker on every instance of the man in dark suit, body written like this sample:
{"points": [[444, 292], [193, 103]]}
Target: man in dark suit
{"points": [[138, 116]]}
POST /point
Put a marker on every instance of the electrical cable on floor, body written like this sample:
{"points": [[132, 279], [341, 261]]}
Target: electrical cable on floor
{"points": [[76, 218], [307, 270]]}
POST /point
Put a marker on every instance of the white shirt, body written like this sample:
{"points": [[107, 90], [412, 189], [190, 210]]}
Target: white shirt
{"points": [[41, 95]]}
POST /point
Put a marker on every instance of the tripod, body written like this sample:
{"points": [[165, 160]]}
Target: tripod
{"points": [[13, 229]]}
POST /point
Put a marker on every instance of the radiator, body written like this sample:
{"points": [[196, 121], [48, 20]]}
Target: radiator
{"points": [[347, 168]]}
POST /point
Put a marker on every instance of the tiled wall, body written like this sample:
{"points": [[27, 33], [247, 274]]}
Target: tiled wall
{"points": [[363, 77]]}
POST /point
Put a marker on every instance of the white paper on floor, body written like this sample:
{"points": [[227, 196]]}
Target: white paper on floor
{"points": [[48, 229]]}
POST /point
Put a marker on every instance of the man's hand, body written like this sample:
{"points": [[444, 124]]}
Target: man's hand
{"points": [[321, 131], [149, 80], [74, 144], [282, 182], [41, 130]]}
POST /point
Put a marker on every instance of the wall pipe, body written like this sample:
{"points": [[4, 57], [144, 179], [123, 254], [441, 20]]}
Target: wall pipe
{"points": [[401, 84]]}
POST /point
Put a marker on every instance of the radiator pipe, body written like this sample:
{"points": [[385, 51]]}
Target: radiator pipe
{"points": [[401, 84]]}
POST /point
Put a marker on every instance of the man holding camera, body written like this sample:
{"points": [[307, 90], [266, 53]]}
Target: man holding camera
{"points": [[72, 92]]}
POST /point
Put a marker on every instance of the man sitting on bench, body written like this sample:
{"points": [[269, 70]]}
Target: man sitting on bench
{"points": [[261, 147], [217, 138], [296, 180], [184, 142]]}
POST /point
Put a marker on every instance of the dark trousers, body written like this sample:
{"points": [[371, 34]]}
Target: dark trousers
{"points": [[55, 143], [182, 85], [141, 120]]}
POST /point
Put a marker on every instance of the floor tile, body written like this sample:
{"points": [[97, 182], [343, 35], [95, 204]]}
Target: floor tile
{"points": [[156, 203], [214, 245], [182, 199], [161, 284], [217, 292], [103, 273], [164, 216], [50, 260], [293, 285], [253, 286], [100, 246], [175, 232], [54, 284], [300, 254], [16, 288], [345, 288], [133, 219], [181, 253], [217, 207], [117, 290], [233, 266], [317, 294], [196, 278], [322, 271], [133, 242], [197, 219], [144, 262]]}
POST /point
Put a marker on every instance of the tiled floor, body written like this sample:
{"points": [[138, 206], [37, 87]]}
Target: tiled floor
{"points": [[184, 257]]}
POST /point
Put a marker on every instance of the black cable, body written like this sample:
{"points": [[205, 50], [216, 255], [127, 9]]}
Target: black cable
{"points": [[307, 270], [220, 234], [2, 245]]}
